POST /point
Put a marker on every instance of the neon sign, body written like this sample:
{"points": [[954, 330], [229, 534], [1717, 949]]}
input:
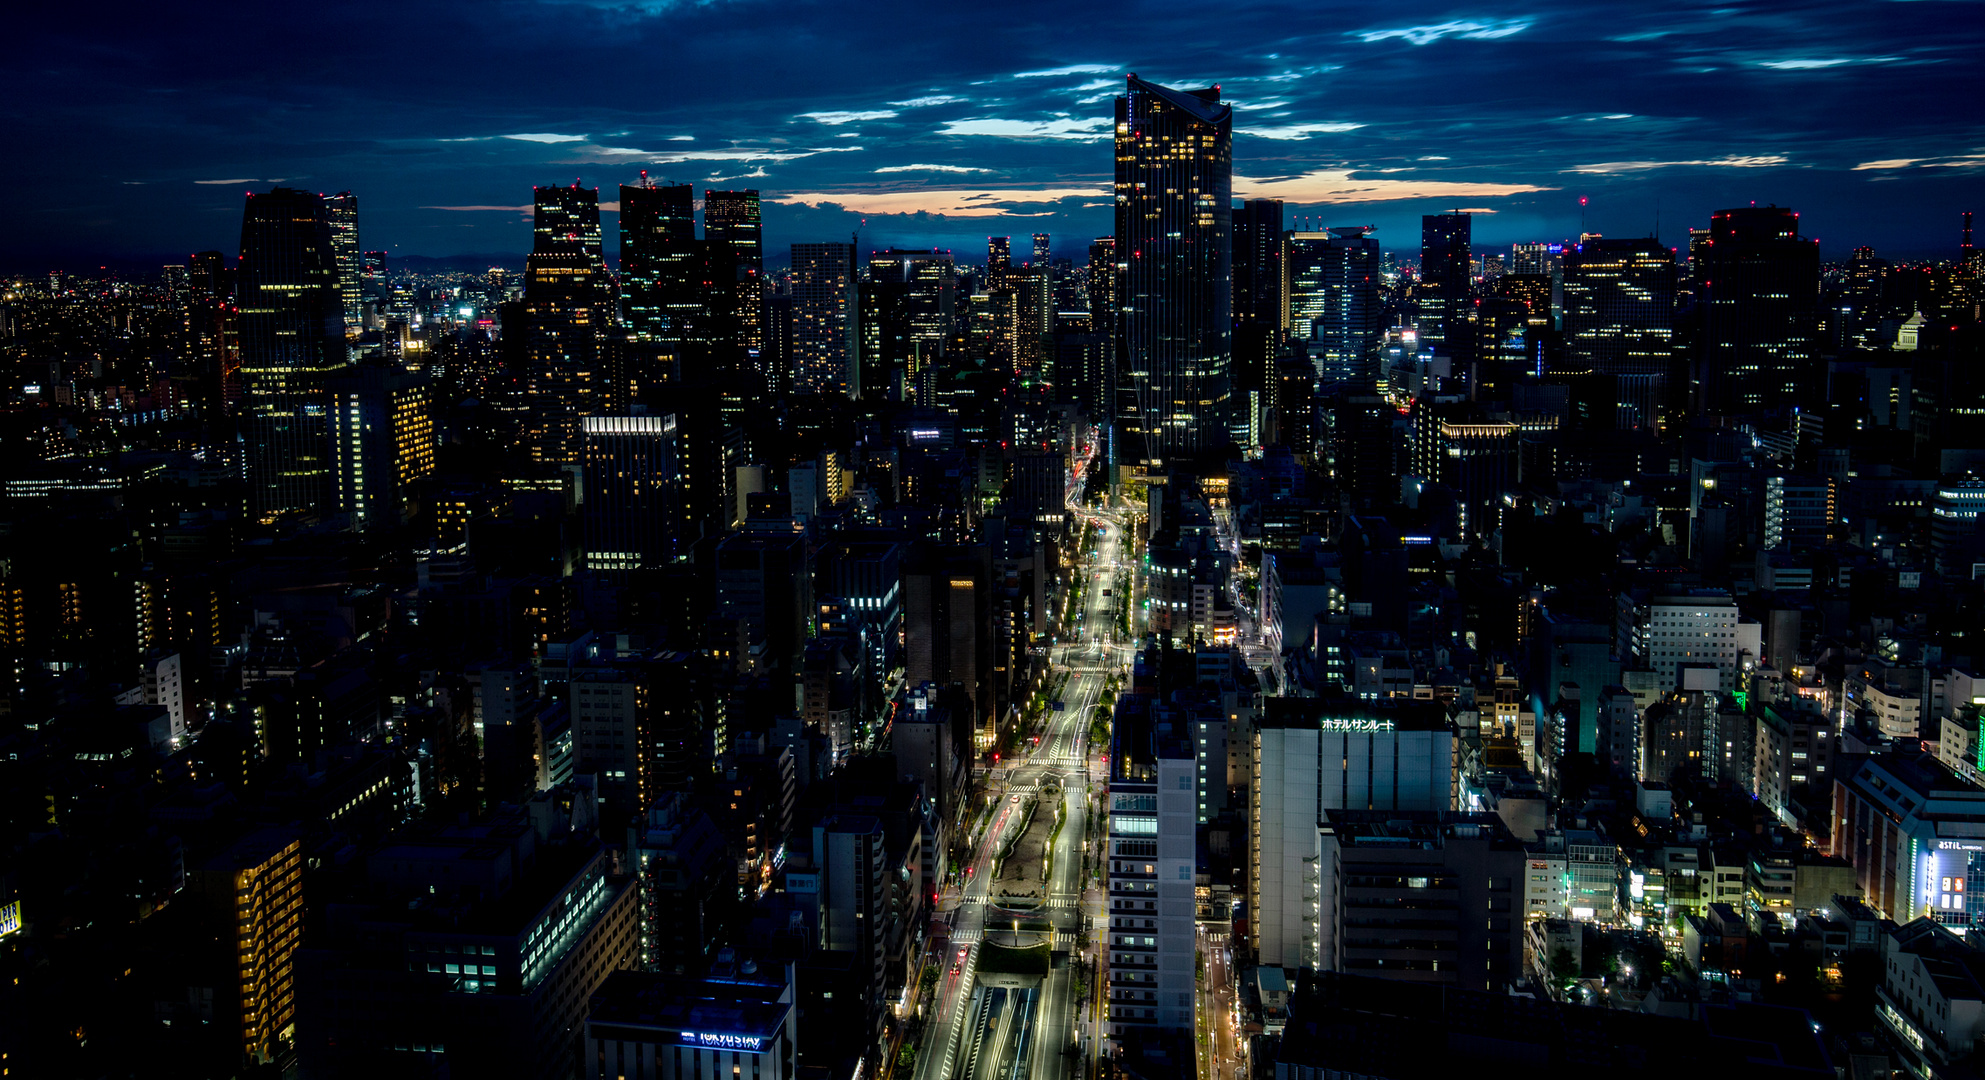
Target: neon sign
{"points": [[722, 1041]]}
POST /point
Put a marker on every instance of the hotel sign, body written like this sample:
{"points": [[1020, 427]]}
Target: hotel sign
{"points": [[1357, 725], [715, 1040]]}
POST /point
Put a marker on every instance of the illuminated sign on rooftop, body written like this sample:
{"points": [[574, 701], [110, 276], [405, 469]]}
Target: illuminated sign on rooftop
{"points": [[1359, 725], [724, 1041]]}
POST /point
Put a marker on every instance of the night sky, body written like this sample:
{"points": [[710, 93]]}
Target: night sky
{"points": [[134, 130]]}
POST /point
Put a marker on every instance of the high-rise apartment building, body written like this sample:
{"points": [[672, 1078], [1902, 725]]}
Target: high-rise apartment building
{"points": [[569, 313], [732, 230], [382, 440], [342, 209], [1174, 204], [1151, 905], [1027, 321], [253, 893], [632, 509], [292, 337], [826, 327], [1043, 251], [1446, 245], [1759, 299], [1619, 320], [1334, 301]]}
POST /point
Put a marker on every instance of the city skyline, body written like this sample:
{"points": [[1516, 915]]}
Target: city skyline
{"points": [[1655, 116]]}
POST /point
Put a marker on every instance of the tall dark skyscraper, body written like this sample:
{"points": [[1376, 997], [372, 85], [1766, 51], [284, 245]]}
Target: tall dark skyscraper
{"points": [[662, 278], [1446, 242], [1043, 250], [1174, 192], [343, 211], [737, 254], [908, 308], [1861, 295], [1759, 288], [1620, 319], [1334, 301], [292, 337], [1261, 255], [1105, 283], [632, 475], [569, 317], [1261, 305]]}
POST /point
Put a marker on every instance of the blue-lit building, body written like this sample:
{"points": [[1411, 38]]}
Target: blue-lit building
{"points": [[1915, 833], [739, 1020]]}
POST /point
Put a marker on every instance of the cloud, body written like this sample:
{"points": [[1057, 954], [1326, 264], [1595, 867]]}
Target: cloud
{"points": [[931, 168], [1955, 161], [951, 202], [1815, 65], [1072, 69], [244, 180], [616, 154], [1062, 128], [1733, 161], [1298, 131], [1339, 186], [546, 137], [927, 101], [848, 117], [1432, 32], [526, 208], [682, 138]]}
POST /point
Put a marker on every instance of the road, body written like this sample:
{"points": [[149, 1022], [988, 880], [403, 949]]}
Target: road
{"points": [[1047, 1027]]}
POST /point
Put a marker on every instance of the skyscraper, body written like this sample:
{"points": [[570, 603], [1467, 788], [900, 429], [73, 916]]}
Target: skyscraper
{"points": [[1446, 241], [999, 261], [568, 312], [662, 277], [908, 308], [1043, 251], [631, 507], [1105, 285], [1620, 319], [1174, 190], [292, 337], [343, 211], [825, 328], [1861, 306], [1261, 306], [1334, 301], [382, 440], [1759, 289], [731, 230]]}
